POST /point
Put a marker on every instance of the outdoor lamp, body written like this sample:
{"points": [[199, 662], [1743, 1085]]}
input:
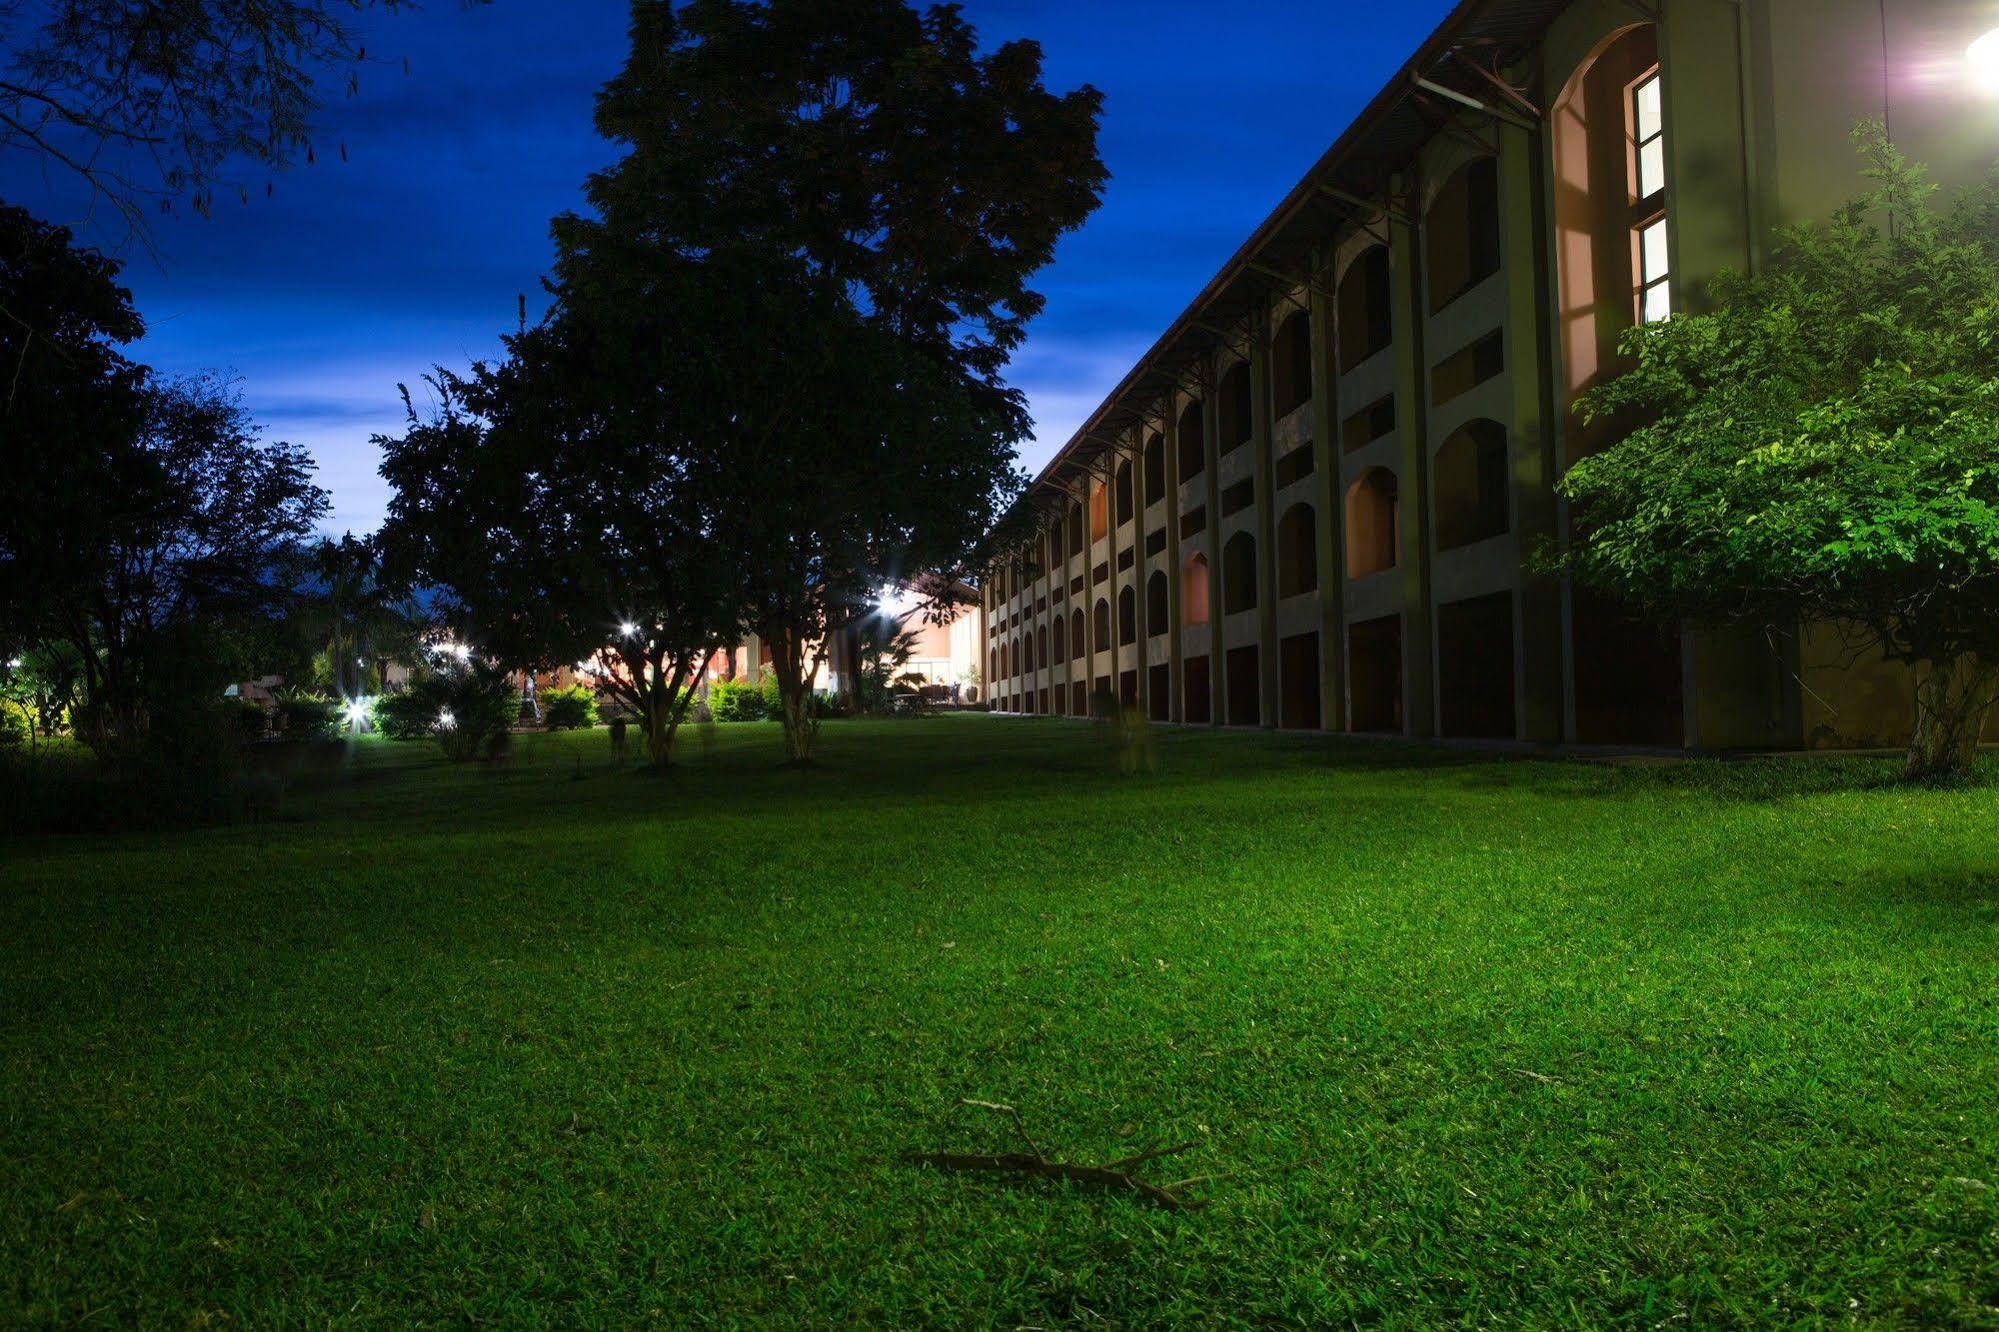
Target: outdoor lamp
{"points": [[357, 711], [1983, 56], [628, 630]]}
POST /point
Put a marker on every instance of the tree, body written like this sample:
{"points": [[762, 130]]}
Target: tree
{"points": [[562, 503], [884, 192], [1823, 446], [353, 621], [145, 101]]}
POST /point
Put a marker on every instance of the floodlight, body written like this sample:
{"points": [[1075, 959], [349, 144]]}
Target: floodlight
{"points": [[1983, 56]]}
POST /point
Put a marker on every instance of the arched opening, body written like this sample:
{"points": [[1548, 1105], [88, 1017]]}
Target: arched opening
{"points": [[1055, 540], [1012, 652], [1366, 324], [1124, 496], [1374, 521], [1291, 363], [1194, 590], [1075, 526], [1041, 646], [1193, 442], [1297, 552], [1103, 625], [1076, 640], [1462, 228], [1027, 654], [1127, 618], [993, 672], [1155, 469], [1374, 674], [1234, 402], [1239, 574], [1156, 611], [1058, 641], [1471, 480], [1100, 512]]}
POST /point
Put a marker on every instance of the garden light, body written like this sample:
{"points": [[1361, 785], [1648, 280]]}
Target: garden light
{"points": [[1983, 55], [628, 630], [357, 711], [14, 665], [445, 721]]}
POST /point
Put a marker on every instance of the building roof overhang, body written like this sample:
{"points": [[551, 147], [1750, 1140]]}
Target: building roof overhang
{"points": [[1460, 67]]}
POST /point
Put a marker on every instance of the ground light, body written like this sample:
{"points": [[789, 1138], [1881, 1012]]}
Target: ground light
{"points": [[357, 711], [445, 721], [1984, 57], [628, 630]]}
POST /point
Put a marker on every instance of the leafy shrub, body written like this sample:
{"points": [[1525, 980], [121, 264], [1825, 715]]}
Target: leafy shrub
{"points": [[304, 717], [404, 716], [479, 702], [252, 722], [738, 701], [571, 709]]}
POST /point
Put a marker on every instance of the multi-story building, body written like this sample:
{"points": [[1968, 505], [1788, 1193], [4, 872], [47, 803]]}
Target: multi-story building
{"points": [[1314, 502]]}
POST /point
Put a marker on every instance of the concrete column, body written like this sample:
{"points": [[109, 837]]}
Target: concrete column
{"points": [[1211, 432], [1142, 646], [1262, 426], [1412, 376], [1328, 500], [1169, 431]]}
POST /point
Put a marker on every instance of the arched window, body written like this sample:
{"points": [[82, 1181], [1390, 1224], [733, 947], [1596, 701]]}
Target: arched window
{"points": [[1100, 513], [1291, 363], [1124, 497], [1103, 636], [1055, 540], [1297, 552], [1194, 590], [1236, 417], [1193, 442], [1155, 469], [1041, 646], [1470, 476], [1156, 611], [1239, 574], [1374, 520], [1075, 528], [1366, 325], [1462, 227], [1127, 618], [993, 667], [1027, 654], [1060, 647], [1077, 643]]}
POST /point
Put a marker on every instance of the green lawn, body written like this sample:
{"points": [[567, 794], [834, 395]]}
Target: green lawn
{"points": [[1556, 1043]]}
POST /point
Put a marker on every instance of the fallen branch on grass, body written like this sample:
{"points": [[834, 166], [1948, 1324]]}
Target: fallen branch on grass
{"points": [[1115, 1175]]}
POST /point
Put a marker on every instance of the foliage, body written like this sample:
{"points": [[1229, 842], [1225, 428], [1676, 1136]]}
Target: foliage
{"points": [[304, 717], [146, 102], [569, 708], [466, 708], [848, 351], [737, 701], [409, 715], [1823, 445], [353, 621], [883, 646], [253, 720]]}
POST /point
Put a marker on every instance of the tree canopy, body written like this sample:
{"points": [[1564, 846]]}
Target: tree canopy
{"points": [[1822, 445]]}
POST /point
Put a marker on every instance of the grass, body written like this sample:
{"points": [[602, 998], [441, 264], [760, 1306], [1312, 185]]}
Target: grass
{"points": [[1558, 1044]]}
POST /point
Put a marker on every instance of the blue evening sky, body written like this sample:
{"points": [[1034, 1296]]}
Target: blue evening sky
{"points": [[354, 275]]}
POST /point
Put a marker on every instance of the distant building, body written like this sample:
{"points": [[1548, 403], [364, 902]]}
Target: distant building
{"points": [[1310, 503]]}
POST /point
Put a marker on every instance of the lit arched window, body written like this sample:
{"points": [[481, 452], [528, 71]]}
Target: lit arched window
{"points": [[1194, 590], [1373, 523]]}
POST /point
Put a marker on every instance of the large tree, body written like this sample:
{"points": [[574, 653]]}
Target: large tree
{"points": [[562, 502], [888, 190], [1822, 446], [146, 100]]}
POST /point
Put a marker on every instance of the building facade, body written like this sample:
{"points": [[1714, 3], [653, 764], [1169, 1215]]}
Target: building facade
{"points": [[1315, 501]]}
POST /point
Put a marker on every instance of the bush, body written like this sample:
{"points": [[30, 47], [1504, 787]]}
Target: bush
{"points": [[308, 717], [480, 703], [252, 722], [571, 709], [404, 716], [737, 701]]}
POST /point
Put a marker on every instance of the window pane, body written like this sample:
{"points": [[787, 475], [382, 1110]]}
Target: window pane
{"points": [[1651, 168], [1657, 304], [1652, 264], [1646, 106]]}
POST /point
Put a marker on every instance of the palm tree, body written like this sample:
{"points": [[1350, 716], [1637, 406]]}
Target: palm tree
{"points": [[355, 625]]}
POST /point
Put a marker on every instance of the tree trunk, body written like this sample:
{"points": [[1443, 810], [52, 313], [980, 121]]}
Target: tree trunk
{"points": [[1952, 698], [794, 694]]}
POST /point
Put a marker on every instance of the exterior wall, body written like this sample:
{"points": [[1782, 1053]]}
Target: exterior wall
{"points": [[1461, 637]]}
